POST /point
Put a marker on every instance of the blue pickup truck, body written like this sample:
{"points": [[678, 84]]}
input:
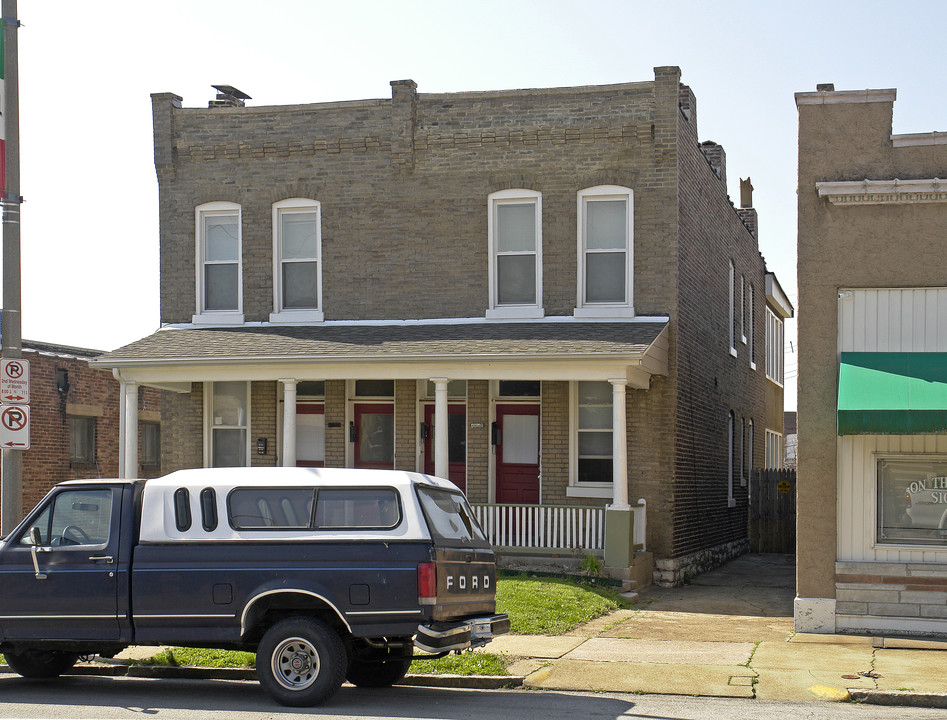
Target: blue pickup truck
{"points": [[327, 574]]}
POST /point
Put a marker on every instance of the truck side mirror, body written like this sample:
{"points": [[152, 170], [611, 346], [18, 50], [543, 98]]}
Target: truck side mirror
{"points": [[36, 537]]}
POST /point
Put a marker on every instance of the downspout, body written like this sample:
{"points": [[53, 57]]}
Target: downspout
{"points": [[121, 421]]}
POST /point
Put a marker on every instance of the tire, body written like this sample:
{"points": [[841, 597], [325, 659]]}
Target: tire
{"points": [[40, 663], [380, 673], [301, 662]]}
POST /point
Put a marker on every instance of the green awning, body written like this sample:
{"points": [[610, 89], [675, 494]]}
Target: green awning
{"points": [[892, 393]]}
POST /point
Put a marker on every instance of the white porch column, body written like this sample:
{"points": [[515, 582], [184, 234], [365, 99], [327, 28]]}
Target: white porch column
{"points": [[619, 446], [130, 469], [289, 422], [440, 427]]}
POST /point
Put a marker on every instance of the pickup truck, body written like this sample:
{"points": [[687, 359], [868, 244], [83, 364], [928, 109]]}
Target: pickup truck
{"points": [[327, 574]]}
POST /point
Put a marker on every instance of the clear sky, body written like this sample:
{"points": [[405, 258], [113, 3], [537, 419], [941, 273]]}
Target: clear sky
{"points": [[90, 221]]}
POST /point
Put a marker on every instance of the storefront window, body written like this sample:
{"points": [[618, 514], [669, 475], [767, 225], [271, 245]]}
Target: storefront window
{"points": [[912, 501]]}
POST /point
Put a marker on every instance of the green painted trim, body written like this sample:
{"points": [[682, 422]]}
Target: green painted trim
{"points": [[892, 393]]}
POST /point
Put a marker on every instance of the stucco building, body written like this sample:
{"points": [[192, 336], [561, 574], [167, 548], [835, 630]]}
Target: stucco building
{"points": [[872, 414], [545, 295]]}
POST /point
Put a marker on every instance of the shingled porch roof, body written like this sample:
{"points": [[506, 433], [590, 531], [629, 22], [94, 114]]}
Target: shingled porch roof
{"points": [[638, 342]]}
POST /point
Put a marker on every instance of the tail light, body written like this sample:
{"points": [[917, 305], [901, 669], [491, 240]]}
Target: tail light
{"points": [[427, 583]]}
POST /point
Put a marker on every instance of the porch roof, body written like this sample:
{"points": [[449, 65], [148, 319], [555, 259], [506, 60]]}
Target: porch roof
{"points": [[637, 342]]}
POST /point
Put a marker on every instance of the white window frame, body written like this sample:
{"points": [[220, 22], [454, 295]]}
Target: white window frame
{"points": [[751, 344], [733, 339], [743, 309], [575, 488], [773, 458], [731, 447], [217, 317], [209, 423], [614, 309], [775, 340], [749, 462], [292, 315], [514, 196]]}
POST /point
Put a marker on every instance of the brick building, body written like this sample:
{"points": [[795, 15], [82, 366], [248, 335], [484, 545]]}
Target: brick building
{"points": [[872, 415], [75, 419], [545, 295]]}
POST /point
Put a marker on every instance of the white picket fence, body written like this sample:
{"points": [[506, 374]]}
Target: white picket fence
{"points": [[552, 527]]}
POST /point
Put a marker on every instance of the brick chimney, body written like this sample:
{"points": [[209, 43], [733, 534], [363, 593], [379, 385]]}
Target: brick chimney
{"points": [[746, 211], [716, 157]]}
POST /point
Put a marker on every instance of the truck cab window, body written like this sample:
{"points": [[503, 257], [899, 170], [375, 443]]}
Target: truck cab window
{"points": [[74, 517]]}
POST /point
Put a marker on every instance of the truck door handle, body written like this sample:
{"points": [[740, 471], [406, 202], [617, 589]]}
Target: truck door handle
{"points": [[107, 558]]}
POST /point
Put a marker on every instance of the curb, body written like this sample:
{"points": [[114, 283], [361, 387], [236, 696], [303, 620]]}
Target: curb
{"points": [[471, 682], [904, 698]]}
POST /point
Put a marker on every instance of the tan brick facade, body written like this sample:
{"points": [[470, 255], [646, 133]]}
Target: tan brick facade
{"points": [[402, 186]]}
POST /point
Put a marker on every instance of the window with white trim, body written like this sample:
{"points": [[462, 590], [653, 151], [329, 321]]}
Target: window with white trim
{"points": [[733, 341], [219, 263], [774, 347], [751, 345], [594, 428], [297, 260], [743, 309], [749, 441], [605, 251], [227, 411], [731, 452], [514, 237], [773, 458]]}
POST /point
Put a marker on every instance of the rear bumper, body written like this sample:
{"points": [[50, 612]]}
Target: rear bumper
{"points": [[460, 635]]}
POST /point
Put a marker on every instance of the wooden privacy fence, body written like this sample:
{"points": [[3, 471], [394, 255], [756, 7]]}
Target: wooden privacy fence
{"points": [[773, 511]]}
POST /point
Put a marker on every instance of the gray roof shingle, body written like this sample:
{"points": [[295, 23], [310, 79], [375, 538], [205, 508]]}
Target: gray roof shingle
{"points": [[460, 340]]}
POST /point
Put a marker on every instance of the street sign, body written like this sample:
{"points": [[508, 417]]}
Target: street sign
{"points": [[14, 381], [15, 427]]}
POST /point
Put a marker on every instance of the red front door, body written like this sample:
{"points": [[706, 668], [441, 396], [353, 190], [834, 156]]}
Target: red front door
{"points": [[456, 444], [517, 454], [374, 427]]}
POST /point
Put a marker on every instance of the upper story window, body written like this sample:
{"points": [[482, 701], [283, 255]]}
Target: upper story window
{"points": [[605, 251], [219, 263], [514, 237], [774, 347], [297, 261], [751, 344], [733, 340]]}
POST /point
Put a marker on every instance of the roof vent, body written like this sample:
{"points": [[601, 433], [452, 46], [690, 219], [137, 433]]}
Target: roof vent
{"points": [[228, 96]]}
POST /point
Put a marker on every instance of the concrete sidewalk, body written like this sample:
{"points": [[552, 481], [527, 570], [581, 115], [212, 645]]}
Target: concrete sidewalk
{"points": [[730, 634]]}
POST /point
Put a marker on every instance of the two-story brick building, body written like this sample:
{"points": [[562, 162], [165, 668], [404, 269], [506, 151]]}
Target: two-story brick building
{"points": [[545, 295]]}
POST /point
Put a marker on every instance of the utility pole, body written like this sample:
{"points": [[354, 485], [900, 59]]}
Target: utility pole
{"points": [[11, 484]]}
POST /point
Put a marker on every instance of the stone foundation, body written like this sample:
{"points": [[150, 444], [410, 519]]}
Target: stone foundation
{"points": [[677, 571]]}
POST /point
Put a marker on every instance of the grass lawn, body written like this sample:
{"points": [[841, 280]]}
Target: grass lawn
{"points": [[536, 606]]}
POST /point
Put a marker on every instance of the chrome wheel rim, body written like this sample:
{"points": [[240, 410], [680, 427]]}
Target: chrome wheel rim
{"points": [[295, 663]]}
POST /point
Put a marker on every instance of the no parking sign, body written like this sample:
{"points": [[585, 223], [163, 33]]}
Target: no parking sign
{"points": [[15, 427]]}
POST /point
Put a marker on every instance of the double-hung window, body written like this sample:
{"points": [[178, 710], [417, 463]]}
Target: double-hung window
{"points": [[514, 236], [297, 259], [227, 409], [606, 252], [219, 263]]}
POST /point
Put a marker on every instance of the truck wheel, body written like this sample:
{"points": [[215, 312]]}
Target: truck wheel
{"points": [[40, 663], [301, 662], [385, 671]]}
